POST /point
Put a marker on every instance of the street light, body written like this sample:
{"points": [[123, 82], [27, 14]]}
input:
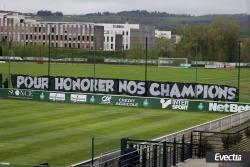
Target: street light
{"points": [[239, 54]]}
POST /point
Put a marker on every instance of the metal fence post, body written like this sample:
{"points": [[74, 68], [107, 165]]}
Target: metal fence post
{"points": [[174, 152], [200, 139], [164, 154], [144, 157], [183, 148], [191, 146], [155, 155], [123, 145]]}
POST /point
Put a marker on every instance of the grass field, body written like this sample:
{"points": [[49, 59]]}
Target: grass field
{"points": [[218, 76], [34, 132]]}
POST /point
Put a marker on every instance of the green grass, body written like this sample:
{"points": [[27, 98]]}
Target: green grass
{"points": [[218, 76], [35, 132]]}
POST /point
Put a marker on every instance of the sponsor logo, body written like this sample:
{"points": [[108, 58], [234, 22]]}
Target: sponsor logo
{"points": [[78, 98], [42, 96], [57, 96], [106, 99], [92, 99], [175, 104], [23, 94], [145, 103], [227, 156], [224, 107], [201, 106], [127, 102]]}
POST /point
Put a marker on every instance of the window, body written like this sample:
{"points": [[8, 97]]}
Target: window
{"points": [[111, 46], [126, 32], [52, 29], [112, 38], [30, 37], [74, 45], [61, 37], [65, 38], [78, 45], [87, 38], [70, 45], [79, 38], [40, 29], [92, 38], [43, 43], [65, 45], [107, 39], [27, 37], [43, 37], [39, 37], [52, 37], [35, 37], [122, 32], [35, 29], [83, 38], [57, 37]]}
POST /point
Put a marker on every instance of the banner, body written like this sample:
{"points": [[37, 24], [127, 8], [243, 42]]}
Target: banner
{"points": [[127, 87], [126, 101]]}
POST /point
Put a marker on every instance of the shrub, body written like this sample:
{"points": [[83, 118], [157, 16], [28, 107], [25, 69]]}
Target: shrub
{"points": [[247, 133]]}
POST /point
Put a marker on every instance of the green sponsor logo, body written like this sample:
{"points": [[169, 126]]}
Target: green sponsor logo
{"points": [[145, 103], [201, 106], [42, 96], [92, 99]]}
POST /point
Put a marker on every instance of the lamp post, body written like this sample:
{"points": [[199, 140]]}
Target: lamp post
{"points": [[239, 54], [146, 67], [49, 65]]}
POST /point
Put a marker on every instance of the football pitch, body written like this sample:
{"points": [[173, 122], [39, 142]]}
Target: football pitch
{"points": [[136, 72], [58, 133]]}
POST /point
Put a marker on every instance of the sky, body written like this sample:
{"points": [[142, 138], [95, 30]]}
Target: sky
{"points": [[193, 7]]}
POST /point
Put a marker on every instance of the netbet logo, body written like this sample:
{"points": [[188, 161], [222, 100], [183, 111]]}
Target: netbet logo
{"points": [[227, 158], [228, 107]]}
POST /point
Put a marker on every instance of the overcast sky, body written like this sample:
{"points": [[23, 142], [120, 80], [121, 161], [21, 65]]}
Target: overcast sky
{"points": [[194, 7]]}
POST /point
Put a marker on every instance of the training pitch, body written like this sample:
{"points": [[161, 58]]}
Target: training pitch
{"points": [[58, 133]]}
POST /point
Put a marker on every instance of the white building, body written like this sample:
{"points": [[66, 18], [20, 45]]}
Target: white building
{"points": [[129, 32], [163, 34]]}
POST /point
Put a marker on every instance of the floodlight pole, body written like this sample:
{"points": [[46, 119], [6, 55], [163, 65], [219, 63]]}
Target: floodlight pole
{"points": [[146, 65], [239, 54], [92, 151], [49, 65], [196, 64], [94, 63], [9, 62]]}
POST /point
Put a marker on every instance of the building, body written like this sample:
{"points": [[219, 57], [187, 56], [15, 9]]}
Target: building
{"points": [[163, 34], [18, 28], [132, 35], [23, 29]]}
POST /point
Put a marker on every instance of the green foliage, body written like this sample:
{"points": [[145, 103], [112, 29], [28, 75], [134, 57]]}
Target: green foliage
{"points": [[247, 133], [215, 42], [231, 140]]}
